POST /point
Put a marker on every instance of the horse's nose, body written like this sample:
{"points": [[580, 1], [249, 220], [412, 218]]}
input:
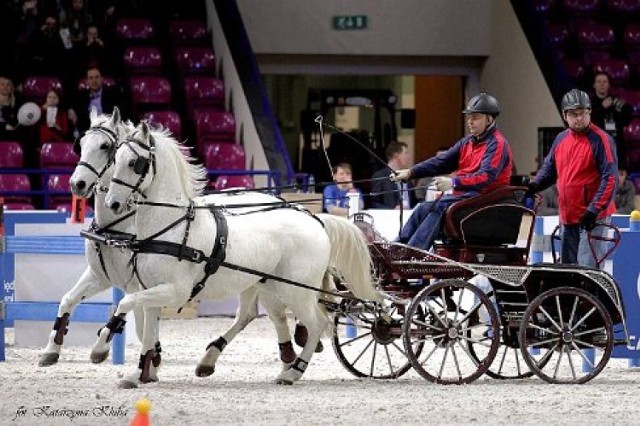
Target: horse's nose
{"points": [[115, 206], [81, 185]]}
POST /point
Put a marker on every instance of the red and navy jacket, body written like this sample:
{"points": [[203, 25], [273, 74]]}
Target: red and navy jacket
{"points": [[585, 167], [480, 163]]}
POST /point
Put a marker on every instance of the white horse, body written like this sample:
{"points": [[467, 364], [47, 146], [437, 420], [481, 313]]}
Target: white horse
{"points": [[286, 251], [107, 266]]}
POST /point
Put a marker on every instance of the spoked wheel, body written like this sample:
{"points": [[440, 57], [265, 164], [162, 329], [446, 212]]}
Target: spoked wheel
{"points": [[566, 336], [508, 363], [368, 343], [451, 326]]}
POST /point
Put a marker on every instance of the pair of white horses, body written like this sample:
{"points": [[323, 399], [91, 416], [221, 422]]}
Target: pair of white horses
{"points": [[264, 251]]}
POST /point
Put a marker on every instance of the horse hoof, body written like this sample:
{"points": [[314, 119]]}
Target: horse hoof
{"points": [[204, 370], [49, 359], [284, 382], [127, 384], [319, 347], [98, 357]]}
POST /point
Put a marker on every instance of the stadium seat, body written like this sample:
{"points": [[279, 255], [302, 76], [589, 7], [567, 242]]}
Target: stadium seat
{"points": [[558, 35], [187, 32], [143, 60], [241, 181], [203, 91], [58, 183], [106, 81], [632, 132], [16, 183], [631, 37], [149, 92], [224, 156], [168, 119], [592, 57], [195, 60], [11, 155], [35, 88], [582, 8], [595, 36], [617, 69], [633, 158], [575, 70], [58, 155], [213, 126], [134, 30], [626, 8], [544, 7]]}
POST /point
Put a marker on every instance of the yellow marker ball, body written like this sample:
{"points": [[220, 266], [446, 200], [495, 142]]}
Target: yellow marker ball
{"points": [[635, 215], [143, 406]]}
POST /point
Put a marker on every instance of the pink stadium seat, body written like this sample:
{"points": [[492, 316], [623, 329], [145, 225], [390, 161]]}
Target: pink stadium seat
{"points": [[558, 34], [11, 155], [35, 88], [581, 8], [595, 36], [203, 91], [18, 206], [213, 126], [224, 182], [617, 69], [543, 7], [633, 158], [631, 37], [149, 92], [632, 97], [134, 29], [574, 69], [58, 155], [195, 60], [624, 7], [187, 31], [595, 56], [168, 119], [143, 60], [106, 81], [632, 132], [59, 183], [224, 156], [15, 183]]}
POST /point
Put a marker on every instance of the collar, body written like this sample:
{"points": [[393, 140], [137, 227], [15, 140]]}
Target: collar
{"points": [[487, 132]]}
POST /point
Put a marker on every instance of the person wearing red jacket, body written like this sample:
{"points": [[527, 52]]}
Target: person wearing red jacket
{"points": [[582, 162], [480, 162]]}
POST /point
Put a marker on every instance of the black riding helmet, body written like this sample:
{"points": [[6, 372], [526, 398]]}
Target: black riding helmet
{"points": [[483, 104], [575, 99]]}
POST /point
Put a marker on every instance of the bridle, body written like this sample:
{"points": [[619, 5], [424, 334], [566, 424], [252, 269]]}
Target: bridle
{"points": [[111, 152], [141, 165]]}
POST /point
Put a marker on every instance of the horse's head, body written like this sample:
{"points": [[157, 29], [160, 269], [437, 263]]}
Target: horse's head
{"points": [[97, 149], [134, 168]]}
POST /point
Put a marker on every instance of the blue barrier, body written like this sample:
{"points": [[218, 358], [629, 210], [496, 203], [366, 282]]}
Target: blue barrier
{"points": [[11, 310]]}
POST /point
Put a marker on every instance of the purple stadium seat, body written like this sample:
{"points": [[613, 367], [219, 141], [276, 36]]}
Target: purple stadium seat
{"points": [[106, 81], [143, 60], [581, 8], [35, 88], [595, 36], [134, 30], [18, 206], [59, 183], [632, 132], [544, 7], [617, 69], [11, 155], [623, 7], [558, 34], [14, 183], [633, 159], [575, 70], [595, 56], [195, 60], [213, 126], [203, 91], [168, 119], [187, 31], [149, 92], [58, 155], [631, 37], [229, 156], [224, 182]]}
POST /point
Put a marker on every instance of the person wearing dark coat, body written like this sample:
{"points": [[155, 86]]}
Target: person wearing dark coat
{"points": [[103, 98], [387, 194]]}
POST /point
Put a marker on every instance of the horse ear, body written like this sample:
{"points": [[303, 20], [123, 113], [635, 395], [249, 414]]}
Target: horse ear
{"points": [[93, 113], [115, 117], [144, 128]]}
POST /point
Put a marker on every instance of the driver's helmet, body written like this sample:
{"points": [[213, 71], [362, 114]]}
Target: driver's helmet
{"points": [[575, 99], [484, 104]]}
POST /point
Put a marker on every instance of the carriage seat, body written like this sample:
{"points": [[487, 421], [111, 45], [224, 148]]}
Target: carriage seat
{"points": [[487, 228]]}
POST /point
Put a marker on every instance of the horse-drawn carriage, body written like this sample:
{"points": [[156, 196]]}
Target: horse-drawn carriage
{"points": [[474, 306]]}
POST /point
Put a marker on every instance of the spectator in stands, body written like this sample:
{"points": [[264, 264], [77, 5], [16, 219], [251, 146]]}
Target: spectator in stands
{"points": [[54, 123], [625, 195], [481, 161], [335, 198], [28, 23], [610, 112], [549, 204], [77, 19], [583, 163], [50, 55], [8, 110], [101, 97], [393, 195], [94, 50]]}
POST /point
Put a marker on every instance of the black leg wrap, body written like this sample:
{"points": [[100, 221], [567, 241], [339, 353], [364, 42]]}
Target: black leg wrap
{"points": [[157, 358], [287, 354], [60, 326], [145, 364], [115, 325], [299, 365], [219, 343]]}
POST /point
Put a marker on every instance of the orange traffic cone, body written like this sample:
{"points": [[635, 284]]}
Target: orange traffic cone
{"points": [[141, 418]]}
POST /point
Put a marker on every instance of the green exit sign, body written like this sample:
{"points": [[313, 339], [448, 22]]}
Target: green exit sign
{"points": [[350, 22]]}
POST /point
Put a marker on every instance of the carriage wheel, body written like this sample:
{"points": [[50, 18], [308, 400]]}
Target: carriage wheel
{"points": [[451, 326], [368, 344], [566, 336], [508, 363]]}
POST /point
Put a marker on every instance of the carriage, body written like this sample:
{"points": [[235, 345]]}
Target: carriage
{"points": [[474, 306]]}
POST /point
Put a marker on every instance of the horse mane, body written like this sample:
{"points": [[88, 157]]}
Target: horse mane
{"points": [[193, 175]]}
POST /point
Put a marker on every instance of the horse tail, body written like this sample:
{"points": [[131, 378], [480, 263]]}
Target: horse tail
{"points": [[350, 256]]}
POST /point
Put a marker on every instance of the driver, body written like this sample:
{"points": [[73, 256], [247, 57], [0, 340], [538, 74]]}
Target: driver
{"points": [[582, 161], [480, 162]]}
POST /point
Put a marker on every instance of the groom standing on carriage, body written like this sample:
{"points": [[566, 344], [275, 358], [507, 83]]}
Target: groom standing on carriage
{"points": [[480, 162]]}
